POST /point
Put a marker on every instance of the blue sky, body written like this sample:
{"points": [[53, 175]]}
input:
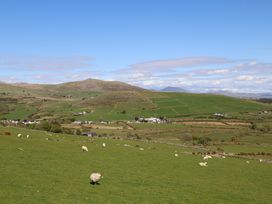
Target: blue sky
{"points": [[195, 44]]}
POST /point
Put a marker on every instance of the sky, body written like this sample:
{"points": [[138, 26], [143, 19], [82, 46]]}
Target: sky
{"points": [[198, 45]]}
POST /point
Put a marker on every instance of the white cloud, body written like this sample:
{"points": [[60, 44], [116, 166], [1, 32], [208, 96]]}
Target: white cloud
{"points": [[218, 71], [245, 78], [36, 63], [171, 64]]}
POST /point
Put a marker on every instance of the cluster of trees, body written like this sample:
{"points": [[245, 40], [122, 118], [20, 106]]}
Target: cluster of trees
{"points": [[201, 140], [54, 126]]}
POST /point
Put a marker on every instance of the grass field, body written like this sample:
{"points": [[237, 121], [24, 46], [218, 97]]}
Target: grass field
{"points": [[39, 101], [56, 171]]}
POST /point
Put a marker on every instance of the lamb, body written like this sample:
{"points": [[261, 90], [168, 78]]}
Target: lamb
{"points": [[247, 162], [261, 160], [19, 135], [95, 178], [27, 136], [203, 164], [207, 157], [176, 155], [103, 144], [84, 149]]}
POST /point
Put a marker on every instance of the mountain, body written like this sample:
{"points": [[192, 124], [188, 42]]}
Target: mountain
{"points": [[172, 89], [93, 85], [99, 86], [107, 100]]}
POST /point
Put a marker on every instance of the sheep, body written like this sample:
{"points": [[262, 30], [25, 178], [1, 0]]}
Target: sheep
{"points": [[141, 148], [27, 136], [84, 149], [247, 162], [19, 135], [95, 178], [207, 157], [176, 155], [103, 144], [203, 164], [261, 160]]}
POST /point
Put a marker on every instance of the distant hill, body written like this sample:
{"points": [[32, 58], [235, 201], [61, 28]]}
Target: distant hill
{"points": [[98, 85], [242, 95], [94, 85], [107, 100], [172, 89]]}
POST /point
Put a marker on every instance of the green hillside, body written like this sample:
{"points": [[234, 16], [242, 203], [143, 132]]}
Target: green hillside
{"points": [[112, 101], [51, 168]]}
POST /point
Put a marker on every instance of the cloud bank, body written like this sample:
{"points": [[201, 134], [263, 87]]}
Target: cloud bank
{"points": [[198, 74]]}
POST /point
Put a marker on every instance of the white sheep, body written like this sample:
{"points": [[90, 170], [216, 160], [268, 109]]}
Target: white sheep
{"points": [[95, 178], [247, 162], [176, 155], [207, 157], [203, 164], [261, 160], [19, 135], [84, 149], [141, 149], [103, 144], [27, 136]]}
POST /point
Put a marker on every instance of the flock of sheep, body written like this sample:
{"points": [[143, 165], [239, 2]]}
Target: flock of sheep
{"points": [[96, 177]]}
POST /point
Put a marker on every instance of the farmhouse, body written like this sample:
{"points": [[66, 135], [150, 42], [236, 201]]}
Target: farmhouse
{"points": [[80, 113], [77, 122], [89, 134], [151, 120]]}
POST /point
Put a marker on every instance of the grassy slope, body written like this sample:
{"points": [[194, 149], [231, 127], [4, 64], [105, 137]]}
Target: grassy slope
{"points": [[51, 171], [171, 105], [52, 100]]}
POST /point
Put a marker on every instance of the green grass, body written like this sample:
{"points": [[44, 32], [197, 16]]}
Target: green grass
{"points": [[62, 102], [19, 111], [186, 104], [56, 171]]}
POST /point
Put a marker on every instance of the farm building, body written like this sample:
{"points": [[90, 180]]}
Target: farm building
{"points": [[89, 134]]}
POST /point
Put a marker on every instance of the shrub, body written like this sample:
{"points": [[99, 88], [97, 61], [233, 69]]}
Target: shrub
{"points": [[7, 133], [56, 128], [201, 140], [44, 125]]}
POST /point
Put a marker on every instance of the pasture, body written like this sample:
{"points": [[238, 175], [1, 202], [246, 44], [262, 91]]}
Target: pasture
{"points": [[51, 168]]}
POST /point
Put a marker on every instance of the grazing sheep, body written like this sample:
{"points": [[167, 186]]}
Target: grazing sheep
{"points": [[223, 157], [247, 162], [176, 155], [203, 164], [103, 144], [27, 136], [141, 148], [84, 149], [207, 157], [95, 178], [19, 135], [261, 160]]}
